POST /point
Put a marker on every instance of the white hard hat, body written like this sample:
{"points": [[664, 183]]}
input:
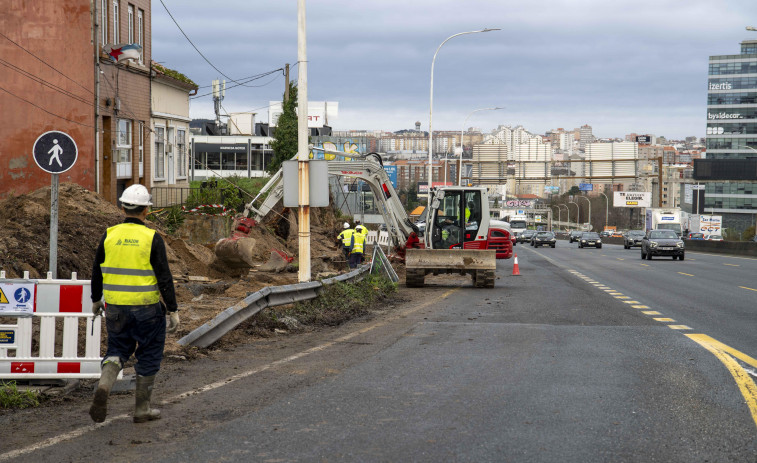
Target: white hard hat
{"points": [[135, 195], [346, 225]]}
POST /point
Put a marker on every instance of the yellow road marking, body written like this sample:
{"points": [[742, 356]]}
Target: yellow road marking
{"points": [[743, 380], [733, 265], [645, 265], [678, 327], [651, 312], [615, 293], [687, 274], [750, 289], [620, 258], [664, 320], [610, 291], [631, 302], [622, 297]]}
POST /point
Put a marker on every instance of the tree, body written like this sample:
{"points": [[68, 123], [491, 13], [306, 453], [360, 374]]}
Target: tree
{"points": [[284, 142]]}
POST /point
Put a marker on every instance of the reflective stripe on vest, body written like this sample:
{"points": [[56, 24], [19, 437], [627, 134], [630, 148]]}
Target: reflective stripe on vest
{"points": [[346, 237], [357, 245], [128, 276]]}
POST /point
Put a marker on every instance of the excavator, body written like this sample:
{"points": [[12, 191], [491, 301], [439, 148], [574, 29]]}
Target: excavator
{"points": [[457, 238]]}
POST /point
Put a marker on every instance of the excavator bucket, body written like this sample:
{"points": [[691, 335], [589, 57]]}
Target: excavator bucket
{"points": [[481, 264], [236, 252]]}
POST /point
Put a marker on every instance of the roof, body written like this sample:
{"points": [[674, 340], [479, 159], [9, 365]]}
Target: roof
{"points": [[418, 210], [528, 196]]}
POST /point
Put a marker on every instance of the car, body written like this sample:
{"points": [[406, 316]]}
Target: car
{"points": [[525, 236], [696, 236], [421, 227], [632, 238], [605, 234], [574, 235], [544, 238], [590, 239], [713, 237], [662, 242]]}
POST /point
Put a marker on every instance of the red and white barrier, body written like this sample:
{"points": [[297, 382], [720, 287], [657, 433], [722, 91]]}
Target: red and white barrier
{"points": [[68, 300]]}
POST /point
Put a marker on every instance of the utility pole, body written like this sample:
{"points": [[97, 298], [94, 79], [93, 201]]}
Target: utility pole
{"points": [[286, 83], [302, 146], [659, 181]]}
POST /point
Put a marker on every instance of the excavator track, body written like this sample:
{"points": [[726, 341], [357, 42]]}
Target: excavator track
{"points": [[414, 278]]}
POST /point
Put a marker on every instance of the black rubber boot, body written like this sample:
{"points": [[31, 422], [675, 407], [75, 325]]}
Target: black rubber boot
{"points": [[142, 410], [99, 409]]}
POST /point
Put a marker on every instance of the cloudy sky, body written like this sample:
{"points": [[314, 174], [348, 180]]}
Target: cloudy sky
{"points": [[620, 66]]}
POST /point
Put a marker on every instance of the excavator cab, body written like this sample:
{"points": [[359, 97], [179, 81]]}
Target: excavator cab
{"points": [[459, 219]]}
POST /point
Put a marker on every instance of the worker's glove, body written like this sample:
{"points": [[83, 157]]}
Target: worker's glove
{"points": [[173, 322], [98, 308]]}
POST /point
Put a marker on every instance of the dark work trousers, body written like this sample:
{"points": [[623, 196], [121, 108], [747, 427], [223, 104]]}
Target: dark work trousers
{"points": [[346, 250], [138, 330], [355, 259]]}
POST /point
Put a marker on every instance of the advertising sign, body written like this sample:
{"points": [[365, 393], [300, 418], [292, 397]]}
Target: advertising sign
{"points": [[710, 224], [525, 203], [391, 171], [644, 139], [585, 186], [632, 199], [319, 112], [16, 298], [551, 189]]}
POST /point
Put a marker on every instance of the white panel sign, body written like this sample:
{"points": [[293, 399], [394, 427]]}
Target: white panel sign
{"points": [[319, 113], [710, 224], [17, 298], [632, 199]]}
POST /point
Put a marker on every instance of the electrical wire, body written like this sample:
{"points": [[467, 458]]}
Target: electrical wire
{"points": [[43, 62], [42, 81], [45, 110], [260, 76]]}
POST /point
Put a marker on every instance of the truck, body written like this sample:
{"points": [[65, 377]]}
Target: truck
{"points": [[458, 237], [668, 218], [518, 224]]}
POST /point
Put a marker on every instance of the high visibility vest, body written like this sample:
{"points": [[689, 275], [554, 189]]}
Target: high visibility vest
{"points": [[346, 237], [128, 276], [362, 230], [467, 214], [357, 242]]}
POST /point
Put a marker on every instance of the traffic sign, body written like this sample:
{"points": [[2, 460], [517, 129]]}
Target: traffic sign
{"points": [[55, 152]]}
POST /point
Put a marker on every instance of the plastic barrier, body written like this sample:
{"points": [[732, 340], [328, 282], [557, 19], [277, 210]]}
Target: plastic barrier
{"points": [[53, 300], [372, 237], [383, 238]]}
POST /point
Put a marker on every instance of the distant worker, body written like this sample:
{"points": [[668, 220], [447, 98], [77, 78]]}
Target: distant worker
{"points": [[346, 238], [359, 228], [131, 272], [356, 249]]}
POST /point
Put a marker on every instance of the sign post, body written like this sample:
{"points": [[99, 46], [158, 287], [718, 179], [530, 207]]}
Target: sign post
{"points": [[54, 152]]}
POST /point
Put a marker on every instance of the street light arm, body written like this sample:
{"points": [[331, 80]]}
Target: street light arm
{"points": [[431, 109]]}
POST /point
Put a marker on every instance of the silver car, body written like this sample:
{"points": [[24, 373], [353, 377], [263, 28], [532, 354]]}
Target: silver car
{"points": [[662, 242]]}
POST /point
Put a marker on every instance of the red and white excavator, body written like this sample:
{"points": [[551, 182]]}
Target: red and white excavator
{"points": [[458, 238]]}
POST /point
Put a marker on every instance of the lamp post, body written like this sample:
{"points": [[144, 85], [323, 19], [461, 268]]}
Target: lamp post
{"points": [[462, 131], [566, 209], [578, 213], [559, 217], [607, 207], [587, 199], [431, 112]]}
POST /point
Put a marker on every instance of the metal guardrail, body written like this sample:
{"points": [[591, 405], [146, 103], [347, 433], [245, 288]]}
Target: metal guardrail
{"points": [[271, 296]]}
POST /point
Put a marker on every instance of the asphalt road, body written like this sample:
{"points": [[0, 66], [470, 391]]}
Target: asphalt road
{"points": [[590, 355]]}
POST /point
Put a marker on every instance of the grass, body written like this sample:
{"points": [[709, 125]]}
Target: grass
{"points": [[337, 303], [12, 397]]}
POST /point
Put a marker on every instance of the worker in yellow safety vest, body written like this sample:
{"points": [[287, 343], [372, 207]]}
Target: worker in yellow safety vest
{"points": [[346, 239], [360, 228], [356, 249], [129, 275]]}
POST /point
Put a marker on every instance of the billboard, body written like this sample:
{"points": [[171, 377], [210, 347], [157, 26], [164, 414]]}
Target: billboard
{"points": [[644, 139], [710, 224], [632, 199], [319, 113], [391, 171], [585, 186]]}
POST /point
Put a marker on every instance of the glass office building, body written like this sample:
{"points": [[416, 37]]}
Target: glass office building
{"points": [[731, 136]]}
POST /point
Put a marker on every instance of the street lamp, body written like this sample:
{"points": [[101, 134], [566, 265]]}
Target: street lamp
{"points": [[567, 210], [462, 131], [559, 216], [607, 207], [751, 28], [578, 213], [587, 199], [431, 112]]}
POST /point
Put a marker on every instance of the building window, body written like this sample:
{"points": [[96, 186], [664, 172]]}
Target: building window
{"points": [[131, 23], [115, 22], [123, 142], [181, 152], [160, 152], [141, 142], [104, 21], [141, 34]]}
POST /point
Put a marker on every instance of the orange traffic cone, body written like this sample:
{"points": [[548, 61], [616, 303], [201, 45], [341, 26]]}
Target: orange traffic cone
{"points": [[516, 271]]}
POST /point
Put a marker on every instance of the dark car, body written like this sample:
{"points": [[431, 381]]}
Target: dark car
{"points": [[574, 235], [526, 235], [544, 238], [661, 242], [590, 239], [632, 238]]}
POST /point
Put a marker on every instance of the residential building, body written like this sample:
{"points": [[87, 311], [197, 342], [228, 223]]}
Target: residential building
{"points": [[585, 136]]}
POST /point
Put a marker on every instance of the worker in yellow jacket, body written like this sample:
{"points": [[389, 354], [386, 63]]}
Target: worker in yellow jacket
{"points": [[345, 237], [356, 249]]}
